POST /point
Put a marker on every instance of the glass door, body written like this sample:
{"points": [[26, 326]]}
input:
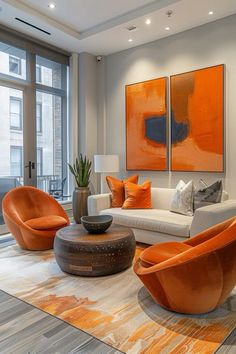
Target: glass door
{"points": [[49, 143], [51, 127]]}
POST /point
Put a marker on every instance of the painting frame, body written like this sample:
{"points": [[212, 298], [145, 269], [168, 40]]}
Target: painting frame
{"points": [[221, 169], [166, 146]]}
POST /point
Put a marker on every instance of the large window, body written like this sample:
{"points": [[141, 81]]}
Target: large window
{"points": [[16, 160], [33, 114], [36, 78], [16, 113]]}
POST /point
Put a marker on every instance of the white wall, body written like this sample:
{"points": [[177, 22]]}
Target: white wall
{"points": [[74, 111], [204, 46], [88, 106]]}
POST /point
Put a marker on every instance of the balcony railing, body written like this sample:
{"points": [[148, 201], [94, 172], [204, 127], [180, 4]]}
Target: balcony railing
{"points": [[44, 183], [47, 183]]}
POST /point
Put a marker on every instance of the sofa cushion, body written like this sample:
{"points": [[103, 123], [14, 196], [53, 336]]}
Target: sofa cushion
{"points": [[182, 201], [47, 222], [118, 189], [137, 196], [158, 220], [208, 195], [161, 252]]}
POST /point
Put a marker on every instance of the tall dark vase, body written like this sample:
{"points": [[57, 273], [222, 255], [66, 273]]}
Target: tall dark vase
{"points": [[80, 203]]}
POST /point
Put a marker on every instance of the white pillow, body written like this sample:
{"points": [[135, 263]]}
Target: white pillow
{"points": [[182, 200]]}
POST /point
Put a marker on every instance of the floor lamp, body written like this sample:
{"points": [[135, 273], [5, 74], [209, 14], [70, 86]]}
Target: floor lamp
{"points": [[105, 164]]}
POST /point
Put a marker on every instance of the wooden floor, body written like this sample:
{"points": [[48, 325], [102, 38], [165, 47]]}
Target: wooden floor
{"points": [[26, 330], [229, 346]]}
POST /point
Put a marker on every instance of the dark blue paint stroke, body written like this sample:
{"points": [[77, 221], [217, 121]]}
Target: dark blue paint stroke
{"points": [[179, 131], [155, 129]]}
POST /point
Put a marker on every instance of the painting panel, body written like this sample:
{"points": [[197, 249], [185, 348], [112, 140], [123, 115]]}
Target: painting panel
{"points": [[197, 120], [146, 125]]}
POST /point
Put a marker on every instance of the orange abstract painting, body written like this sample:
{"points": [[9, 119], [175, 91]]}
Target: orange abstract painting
{"points": [[146, 125], [197, 120]]}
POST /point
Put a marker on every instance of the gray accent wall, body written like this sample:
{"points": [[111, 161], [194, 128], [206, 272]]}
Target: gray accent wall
{"points": [[207, 45]]}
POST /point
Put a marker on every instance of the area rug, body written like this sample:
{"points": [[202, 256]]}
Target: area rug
{"points": [[116, 309]]}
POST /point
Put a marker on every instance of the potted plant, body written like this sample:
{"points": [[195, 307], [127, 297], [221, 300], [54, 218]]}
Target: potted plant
{"points": [[81, 171]]}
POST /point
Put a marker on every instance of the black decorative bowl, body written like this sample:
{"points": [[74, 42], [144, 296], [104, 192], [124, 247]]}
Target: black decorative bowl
{"points": [[96, 224]]}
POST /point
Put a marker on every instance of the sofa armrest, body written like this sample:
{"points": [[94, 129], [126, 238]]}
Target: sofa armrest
{"points": [[213, 214], [98, 202]]}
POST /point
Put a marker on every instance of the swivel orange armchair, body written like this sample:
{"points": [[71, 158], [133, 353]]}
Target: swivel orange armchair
{"points": [[194, 276], [33, 217]]}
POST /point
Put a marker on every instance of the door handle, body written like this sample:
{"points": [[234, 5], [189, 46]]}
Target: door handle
{"points": [[31, 167]]}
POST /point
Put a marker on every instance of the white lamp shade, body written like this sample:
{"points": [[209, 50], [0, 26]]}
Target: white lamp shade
{"points": [[106, 163]]}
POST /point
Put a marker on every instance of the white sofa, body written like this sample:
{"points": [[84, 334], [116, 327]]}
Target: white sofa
{"points": [[159, 224]]}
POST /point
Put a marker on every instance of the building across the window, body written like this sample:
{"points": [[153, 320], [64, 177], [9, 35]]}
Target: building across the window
{"points": [[38, 73], [16, 160], [14, 65], [39, 121], [16, 113], [40, 161]]}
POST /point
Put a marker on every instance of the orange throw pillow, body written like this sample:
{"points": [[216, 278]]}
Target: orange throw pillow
{"points": [[118, 189], [138, 196]]}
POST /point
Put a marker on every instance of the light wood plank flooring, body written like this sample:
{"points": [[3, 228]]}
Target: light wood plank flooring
{"points": [[229, 345], [25, 329]]}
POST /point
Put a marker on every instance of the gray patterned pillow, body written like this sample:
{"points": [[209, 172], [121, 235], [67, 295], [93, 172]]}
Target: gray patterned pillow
{"points": [[208, 195], [182, 201]]}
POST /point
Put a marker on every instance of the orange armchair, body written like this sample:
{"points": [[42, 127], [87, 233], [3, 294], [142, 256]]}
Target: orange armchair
{"points": [[195, 276], [33, 217]]}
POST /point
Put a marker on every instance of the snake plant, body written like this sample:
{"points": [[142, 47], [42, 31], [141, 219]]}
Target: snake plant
{"points": [[81, 170]]}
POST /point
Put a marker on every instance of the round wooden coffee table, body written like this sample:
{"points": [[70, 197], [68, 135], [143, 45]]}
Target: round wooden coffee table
{"points": [[81, 253]]}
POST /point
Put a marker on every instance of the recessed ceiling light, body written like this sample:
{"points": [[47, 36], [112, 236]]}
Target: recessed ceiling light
{"points": [[167, 28], [210, 13], [51, 5], [148, 21], [130, 40]]}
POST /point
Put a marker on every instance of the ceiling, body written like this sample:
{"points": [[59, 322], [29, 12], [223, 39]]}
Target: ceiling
{"points": [[100, 26], [82, 15]]}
